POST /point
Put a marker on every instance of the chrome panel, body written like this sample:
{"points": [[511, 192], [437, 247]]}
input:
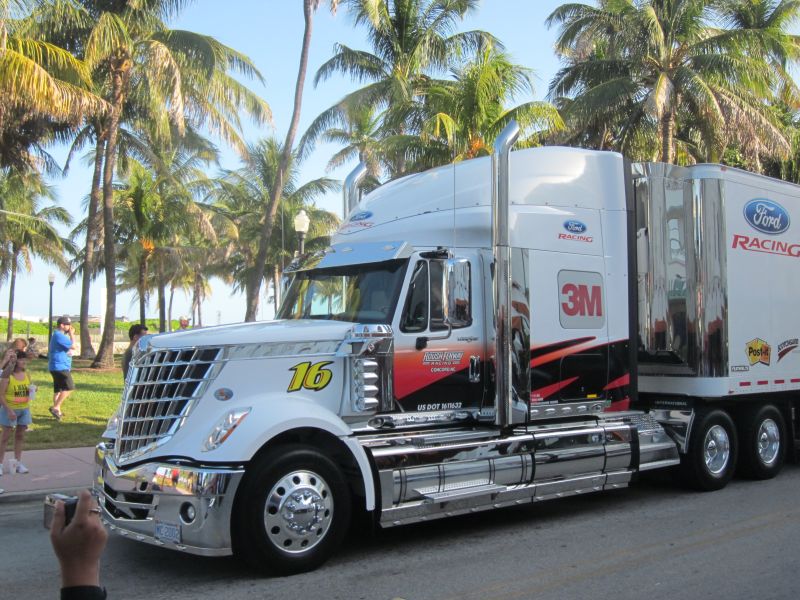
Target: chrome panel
{"points": [[618, 446], [569, 452], [681, 271], [132, 500], [350, 193], [678, 424]]}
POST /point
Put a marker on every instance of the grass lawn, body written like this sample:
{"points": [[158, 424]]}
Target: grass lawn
{"points": [[86, 412]]}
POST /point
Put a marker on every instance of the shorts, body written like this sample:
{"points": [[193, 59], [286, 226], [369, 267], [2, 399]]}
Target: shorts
{"points": [[23, 417], [62, 381]]}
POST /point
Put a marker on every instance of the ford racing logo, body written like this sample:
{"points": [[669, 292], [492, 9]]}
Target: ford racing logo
{"points": [[361, 216], [575, 226], [766, 216]]}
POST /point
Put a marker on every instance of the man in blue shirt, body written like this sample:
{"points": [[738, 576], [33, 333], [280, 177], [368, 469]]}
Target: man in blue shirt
{"points": [[60, 363]]}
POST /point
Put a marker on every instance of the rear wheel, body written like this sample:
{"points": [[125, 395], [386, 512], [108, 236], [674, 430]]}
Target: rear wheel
{"points": [[294, 512], [711, 459], [761, 432]]}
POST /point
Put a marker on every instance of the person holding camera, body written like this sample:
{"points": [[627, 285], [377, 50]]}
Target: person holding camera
{"points": [[78, 543], [60, 364], [15, 411]]}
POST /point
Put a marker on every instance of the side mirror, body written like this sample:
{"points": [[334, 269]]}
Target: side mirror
{"points": [[457, 296]]}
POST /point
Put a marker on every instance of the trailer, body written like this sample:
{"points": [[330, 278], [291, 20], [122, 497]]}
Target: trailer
{"points": [[504, 330]]}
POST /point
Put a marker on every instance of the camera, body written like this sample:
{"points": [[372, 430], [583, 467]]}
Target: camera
{"points": [[70, 502]]}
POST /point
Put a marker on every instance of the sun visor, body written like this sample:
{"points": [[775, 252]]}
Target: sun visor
{"points": [[341, 255]]}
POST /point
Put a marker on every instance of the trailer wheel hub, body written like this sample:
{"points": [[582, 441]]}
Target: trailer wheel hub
{"points": [[769, 441], [716, 449]]}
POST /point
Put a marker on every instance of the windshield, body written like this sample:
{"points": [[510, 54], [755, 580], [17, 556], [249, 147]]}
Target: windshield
{"points": [[365, 293]]}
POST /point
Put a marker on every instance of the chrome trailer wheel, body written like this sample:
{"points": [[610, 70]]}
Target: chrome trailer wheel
{"points": [[711, 457], [761, 431]]}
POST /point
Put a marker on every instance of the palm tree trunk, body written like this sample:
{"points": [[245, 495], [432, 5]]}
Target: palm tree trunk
{"points": [[198, 292], [105, 354], [667, 137], [93, 229], [142, 285], [257, 276], [276, 286], [169, 308], [12, 282], [162, 305]]}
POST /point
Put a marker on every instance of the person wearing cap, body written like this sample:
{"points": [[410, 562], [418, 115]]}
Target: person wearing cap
{"points": [[60, 364], [135, 333], [183, 323]]}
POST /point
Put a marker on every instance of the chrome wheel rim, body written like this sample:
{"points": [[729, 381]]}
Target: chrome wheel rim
{"points": [[716, 449], [769, 441], [298, 512]]}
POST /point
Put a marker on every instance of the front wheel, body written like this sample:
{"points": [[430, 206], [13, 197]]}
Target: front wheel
{"points": [[294, 512], [711, 459], [761, 431]]}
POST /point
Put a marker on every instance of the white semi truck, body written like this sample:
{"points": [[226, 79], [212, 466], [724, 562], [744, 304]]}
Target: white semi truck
{"points": [[546, 323]]}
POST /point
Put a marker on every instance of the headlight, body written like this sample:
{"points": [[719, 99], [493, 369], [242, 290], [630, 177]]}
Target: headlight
{"points": [[224, 428]]}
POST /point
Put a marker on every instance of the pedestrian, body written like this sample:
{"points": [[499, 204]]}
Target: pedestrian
{"points": [[10, 356], [33, 348], [183, 323], [60, 364], [15, 411], [134, 333]]}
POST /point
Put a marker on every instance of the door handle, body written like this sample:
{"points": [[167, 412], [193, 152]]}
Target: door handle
{"points": [[474, 369]]}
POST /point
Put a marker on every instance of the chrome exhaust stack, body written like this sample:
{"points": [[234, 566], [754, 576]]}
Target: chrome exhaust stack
{"points": [[501, 285], [351, 194]]}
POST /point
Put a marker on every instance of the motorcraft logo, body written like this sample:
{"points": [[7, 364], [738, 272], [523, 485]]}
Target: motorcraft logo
{"points": [[758, 351], [575, 231], [785, 347], [766, 216]]}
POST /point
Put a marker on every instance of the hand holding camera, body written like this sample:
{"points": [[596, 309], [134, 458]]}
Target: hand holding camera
{"points": [[78, 542]]}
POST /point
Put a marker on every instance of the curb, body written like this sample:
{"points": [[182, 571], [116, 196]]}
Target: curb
{"points": [[30, 496]]}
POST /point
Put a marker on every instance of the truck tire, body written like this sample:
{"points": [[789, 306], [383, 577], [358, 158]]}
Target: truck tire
{"points": [[761, 432], [711, 460], [294, 511]]}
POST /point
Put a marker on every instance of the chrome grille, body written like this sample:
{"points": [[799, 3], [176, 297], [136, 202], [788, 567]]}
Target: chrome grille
{"points": [[161, 391]]}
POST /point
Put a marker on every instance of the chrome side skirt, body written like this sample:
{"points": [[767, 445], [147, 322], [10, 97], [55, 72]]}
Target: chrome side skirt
{"points": [[431, 474]]}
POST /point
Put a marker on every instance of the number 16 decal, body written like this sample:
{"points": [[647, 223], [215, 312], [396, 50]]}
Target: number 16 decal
{"points": [[310, 376]]}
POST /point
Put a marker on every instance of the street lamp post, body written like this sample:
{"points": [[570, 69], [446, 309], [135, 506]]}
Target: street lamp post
{"points": [[51, 279], [301, 223]]}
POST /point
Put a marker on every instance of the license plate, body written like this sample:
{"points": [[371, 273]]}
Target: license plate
{"points": [[168, 532]]}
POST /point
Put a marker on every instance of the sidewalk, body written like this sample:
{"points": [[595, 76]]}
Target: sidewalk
{"points": [[65, 470]]}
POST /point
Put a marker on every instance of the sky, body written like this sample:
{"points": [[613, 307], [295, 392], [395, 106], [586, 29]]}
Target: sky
{"points": [[270, 33]]}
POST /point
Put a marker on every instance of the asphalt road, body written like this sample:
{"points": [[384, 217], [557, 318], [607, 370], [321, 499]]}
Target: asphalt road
{"points": [[653, 540]]}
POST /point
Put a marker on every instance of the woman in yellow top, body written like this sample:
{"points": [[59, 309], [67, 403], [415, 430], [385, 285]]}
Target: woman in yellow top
{"points": [[15, 412]]}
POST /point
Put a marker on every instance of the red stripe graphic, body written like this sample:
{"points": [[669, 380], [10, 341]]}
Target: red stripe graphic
{"points": [[619, 382], [763, 382], [778, 381], [548, 390], [619, 405], [744, 384], [551, 356]]}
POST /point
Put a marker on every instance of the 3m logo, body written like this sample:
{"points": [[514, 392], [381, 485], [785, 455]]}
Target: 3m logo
{"points": [[581, 300]]}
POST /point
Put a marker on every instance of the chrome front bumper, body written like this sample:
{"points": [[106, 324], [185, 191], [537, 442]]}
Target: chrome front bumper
{"points": [[151, 503]]}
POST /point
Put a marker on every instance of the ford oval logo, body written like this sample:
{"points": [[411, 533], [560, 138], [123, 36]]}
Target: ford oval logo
{"points": [[766, 216], [575, 226], [361, 216]]}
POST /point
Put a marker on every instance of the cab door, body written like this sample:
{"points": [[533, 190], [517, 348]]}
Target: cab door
{"points": [[436, 367]]}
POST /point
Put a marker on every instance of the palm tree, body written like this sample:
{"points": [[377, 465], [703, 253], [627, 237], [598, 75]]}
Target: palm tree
{"points": [[42, 85], [648, 63], [28, 229], [168, 75], [469, 110], [411, 40], [239, 202], [253, 287]]}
